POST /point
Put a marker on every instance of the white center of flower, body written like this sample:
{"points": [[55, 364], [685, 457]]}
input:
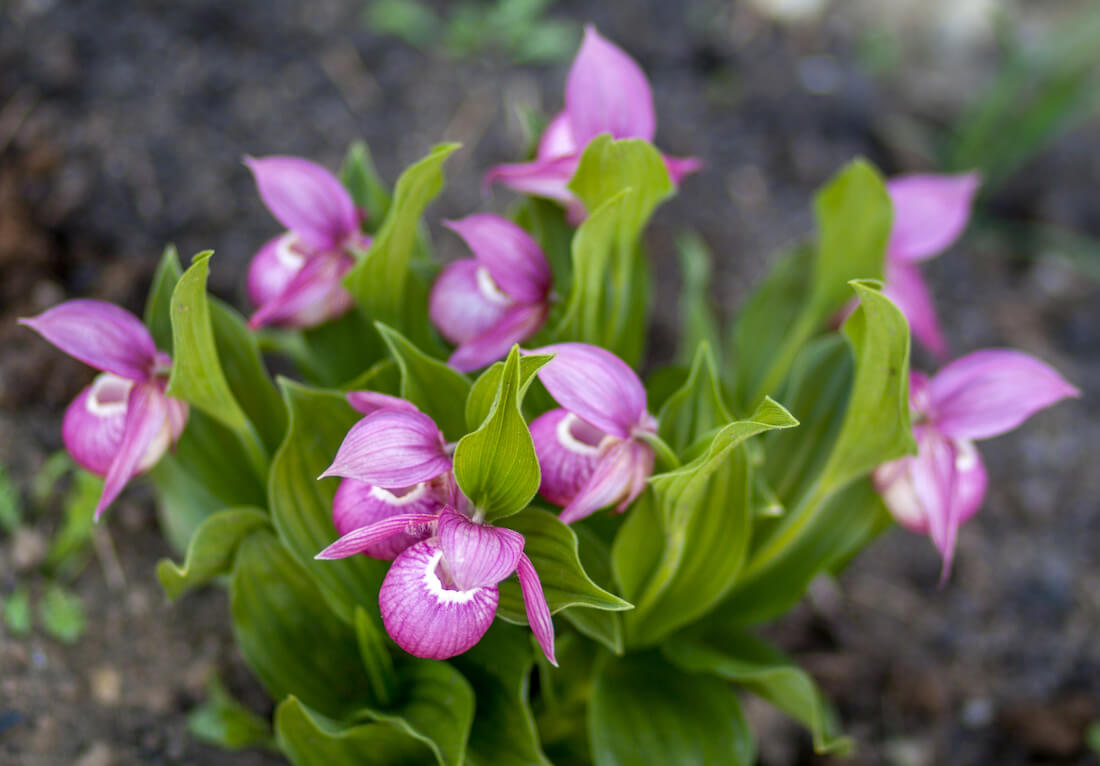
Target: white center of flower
{"points": [[410, 496], [286, 254], [435, 587], [108, 396], [569, 439], [488, 288], [966, 456]]}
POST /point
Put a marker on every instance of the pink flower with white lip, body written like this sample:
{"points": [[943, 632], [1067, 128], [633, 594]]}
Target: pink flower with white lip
{"points": [[295, 279], [930, 212], [122, 423], [606, 92], [981, 395], [500, 297], [440, 595], [591, 451]]}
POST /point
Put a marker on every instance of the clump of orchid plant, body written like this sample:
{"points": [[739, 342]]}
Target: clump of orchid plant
{"points": [[470, 532]]}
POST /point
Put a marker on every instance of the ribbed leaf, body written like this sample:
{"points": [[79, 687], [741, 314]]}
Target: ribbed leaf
{"points": [[308, 738], [211, 550]]}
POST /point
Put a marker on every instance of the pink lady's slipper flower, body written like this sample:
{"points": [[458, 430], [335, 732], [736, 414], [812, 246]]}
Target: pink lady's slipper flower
{"points": [[591, 452], [122, 423], [440, 595], [930, 212], [606, 92], [500, 297], [295, 279], [981, 395]]}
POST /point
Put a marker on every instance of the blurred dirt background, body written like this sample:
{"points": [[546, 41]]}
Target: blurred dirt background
{"points": [[122, 126]]}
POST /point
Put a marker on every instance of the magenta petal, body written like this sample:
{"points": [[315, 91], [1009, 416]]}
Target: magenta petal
{"points": [[392, 448], [607, 92], [970, 480], [101, 334], [372, 401], [557, 139], [986, 393], [906, 287], [313, 296], [272, 268], [368, 538], [680, 167], [568, 450], [547, 178], [516, 325], [920, 399], [94, 422], [145, 437], [476, 555], [307, 199], [424, 616], [613, 479], [513, 258], [930, 212], [596, 385], [538, 611], [358, 504], [465, 302]]}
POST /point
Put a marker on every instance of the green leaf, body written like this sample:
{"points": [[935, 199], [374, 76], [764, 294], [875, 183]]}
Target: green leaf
{"points": [[197, 375], [158, 306], [496, 466], [552, 548], [380, 282], [288, 635], [499, 668], [342, 349], [70, 545], [438, 390], [600, 625], [383, 377], [308, 738], [374, 648], [366, 187], [484, 392], [211, 550], [853, 214], [301, 505], [644, 710], [696, 408], [609, 166], [545, 221], [756, 666], [62, 614], [697, 316], [223, 721], [16, 611]]}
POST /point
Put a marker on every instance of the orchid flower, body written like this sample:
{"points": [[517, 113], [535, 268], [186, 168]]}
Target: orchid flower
{"points": [[500, 297], [592, 451], [930, 212], [440, 595], [606, 92], [295, 279], [121, 424], [981, 395]]}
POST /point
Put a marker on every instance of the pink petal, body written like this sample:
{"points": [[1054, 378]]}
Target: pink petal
{"points": [[970, 480], [557, 139], [358, 504], [619, 477], [476, 555], [513, 258], [392, 448], [906, 287], [987, 393], [273, 267], [368, 538], [547, 178], [920, 399], [423, 615], [101, 334], [516, 325], [314, 295], [94, 423], [145, 437], [930, 212], [372, 401], [607, 92], [680, 167], [465, 301], [568, 450], [538, 611], [595, 385], [307, 199], [933, 475]]}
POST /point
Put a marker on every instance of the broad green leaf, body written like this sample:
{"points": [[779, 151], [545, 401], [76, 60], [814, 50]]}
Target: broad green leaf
{"points": [[696, 408], [61, 613], [301, 505], [853, 215], [697, 316], [308, 738], [374, 648], [339, 350], [288, 635], [750, 662], [663, 383], [158, 306], [484, 392], [365, 186], [598, 624], [545, 221], [197, 374], [499, 669], [383, 377], [211, 550], [223, 721], [380, 281], [552, 548], [644, 710], [438, 390], [496, 466]]}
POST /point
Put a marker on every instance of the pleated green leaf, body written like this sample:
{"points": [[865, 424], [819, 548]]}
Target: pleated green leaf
{"points": [[484, 392], [696, 408], [211, 550], [308, 738]]}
